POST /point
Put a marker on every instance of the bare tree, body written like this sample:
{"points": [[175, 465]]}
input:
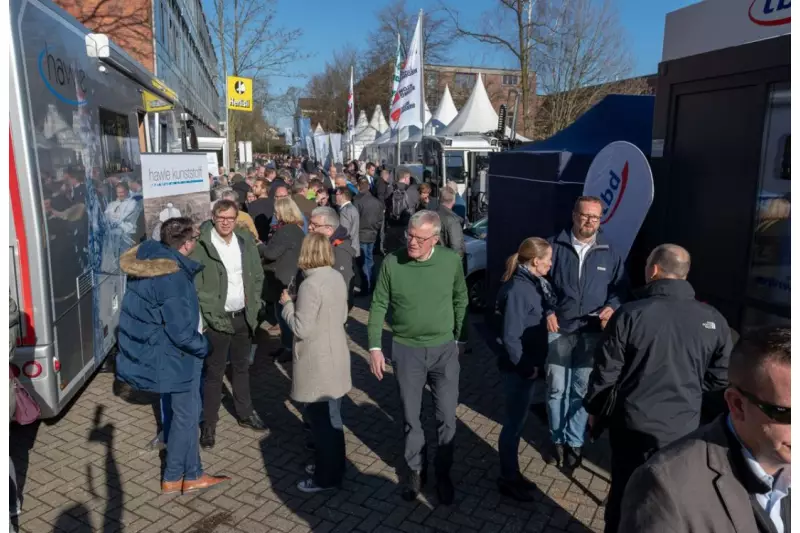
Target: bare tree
{"points": [[250, 43], [515, 27], [588, 61], [328, 90]]}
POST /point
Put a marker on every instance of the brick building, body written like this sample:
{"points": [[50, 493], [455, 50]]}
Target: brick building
{"points": [[170, 38]]}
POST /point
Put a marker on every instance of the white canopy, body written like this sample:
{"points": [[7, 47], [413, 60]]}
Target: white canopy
{"points": [[363, 135], [446, 111], [378, 121], [318, 130]]}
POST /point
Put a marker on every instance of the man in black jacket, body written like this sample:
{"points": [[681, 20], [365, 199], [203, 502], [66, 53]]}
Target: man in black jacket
{"points": [[383, 191], [452, 235], [324, 220], [370, 215], [659, 355], [262, 208]]}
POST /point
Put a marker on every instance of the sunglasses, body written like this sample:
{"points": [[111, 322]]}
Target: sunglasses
{"points": [[777, 413]]}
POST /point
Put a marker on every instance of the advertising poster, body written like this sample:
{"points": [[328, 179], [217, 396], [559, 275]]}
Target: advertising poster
{"points": [[621, 177], [175, 185]]}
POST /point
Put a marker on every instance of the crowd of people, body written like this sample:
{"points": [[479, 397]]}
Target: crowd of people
{"points": [[287, 246]]}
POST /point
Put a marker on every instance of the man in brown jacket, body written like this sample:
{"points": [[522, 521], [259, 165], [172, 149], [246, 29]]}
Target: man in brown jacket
{"points": [[733, 475]]}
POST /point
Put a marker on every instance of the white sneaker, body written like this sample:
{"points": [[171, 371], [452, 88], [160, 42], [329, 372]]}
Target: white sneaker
{"points": [[309, 486]]}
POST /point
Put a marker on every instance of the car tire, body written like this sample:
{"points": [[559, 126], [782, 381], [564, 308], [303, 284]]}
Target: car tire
{"points": [[476, 291]]}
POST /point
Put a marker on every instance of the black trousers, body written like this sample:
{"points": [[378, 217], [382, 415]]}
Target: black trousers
{"points": [[325, 420], [238, 346], [629, 451]]}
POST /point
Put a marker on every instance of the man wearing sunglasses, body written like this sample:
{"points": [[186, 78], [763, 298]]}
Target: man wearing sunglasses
{"points": [[659, 355], [732, 475]]}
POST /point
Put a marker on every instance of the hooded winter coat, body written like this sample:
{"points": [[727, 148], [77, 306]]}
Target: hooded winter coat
{"points": [[159, 325], [344, 254]]}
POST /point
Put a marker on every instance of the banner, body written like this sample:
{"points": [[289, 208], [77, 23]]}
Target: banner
{"points": [[175, 185], [304, 131], [406, 107], [398, 66], [621, 177], [351, 119], [213, 163], [336, 147], [322, 149], [240, 93], [308, 142]]}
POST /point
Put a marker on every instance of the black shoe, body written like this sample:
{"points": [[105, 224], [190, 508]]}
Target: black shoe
{"points": [[572, 458], [413, 486], [514, 490], [208, 437], [526, 483], [445, 489], [253, 422], [554, 454]]}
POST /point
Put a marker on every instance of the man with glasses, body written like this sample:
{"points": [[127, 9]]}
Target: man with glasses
{"points": [[659, 356], [589, 280], [425, 287], [732, 475], [324, 220], [229, 289]]}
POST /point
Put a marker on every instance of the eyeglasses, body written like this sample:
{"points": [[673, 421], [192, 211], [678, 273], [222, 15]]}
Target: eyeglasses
{"points": [[312, 226], [420, 240], [589, 218], [777, 413], [226, 219]]}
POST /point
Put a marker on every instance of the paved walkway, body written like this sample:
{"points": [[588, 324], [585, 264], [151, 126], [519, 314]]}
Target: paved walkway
{"points": [[91, 470]]}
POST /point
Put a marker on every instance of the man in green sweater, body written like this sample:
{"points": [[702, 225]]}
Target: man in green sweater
{"points": [[425, 287]]}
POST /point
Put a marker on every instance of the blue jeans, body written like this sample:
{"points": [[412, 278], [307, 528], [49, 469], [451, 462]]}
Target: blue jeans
{"points": [[367, 263], [569, 364], [287, 337], [183, 447], [519, 393], [165, 405]]}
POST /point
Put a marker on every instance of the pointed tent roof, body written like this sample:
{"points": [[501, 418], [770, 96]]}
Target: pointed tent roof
{"points": [[318, 130], [446, 111], [477, 115], [362, 122], [378, 120], [364, 133]]}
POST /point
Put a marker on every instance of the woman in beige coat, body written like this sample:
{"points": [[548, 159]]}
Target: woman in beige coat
{"points": [[320, 358]]}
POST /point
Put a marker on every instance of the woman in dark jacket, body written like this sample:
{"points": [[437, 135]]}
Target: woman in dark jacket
{"points": [[280, 256], [522, 303]]}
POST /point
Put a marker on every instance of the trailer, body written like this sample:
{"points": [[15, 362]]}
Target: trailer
{"points": [[81, 113]]}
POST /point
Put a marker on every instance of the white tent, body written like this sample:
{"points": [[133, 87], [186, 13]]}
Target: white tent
{"points": [[318, 130], [378, 121], [477, 116], [363, 135], [446, 111]]}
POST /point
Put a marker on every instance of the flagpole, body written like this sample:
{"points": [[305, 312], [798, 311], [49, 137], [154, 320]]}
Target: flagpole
{"points": [[421, 73], [397, 128]]}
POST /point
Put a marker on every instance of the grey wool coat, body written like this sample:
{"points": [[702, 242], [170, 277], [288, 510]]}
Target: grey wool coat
{"points": [[320, 355]]}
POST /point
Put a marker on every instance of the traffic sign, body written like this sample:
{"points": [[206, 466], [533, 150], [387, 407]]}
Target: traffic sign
{"points": [[153, 103], [240, 93]]}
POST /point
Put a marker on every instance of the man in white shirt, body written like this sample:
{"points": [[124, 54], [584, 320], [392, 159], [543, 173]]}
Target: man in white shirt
{"points": [[229, 290]]}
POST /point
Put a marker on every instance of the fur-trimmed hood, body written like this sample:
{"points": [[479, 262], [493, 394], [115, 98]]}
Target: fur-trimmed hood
{"points": [[152, 259]]}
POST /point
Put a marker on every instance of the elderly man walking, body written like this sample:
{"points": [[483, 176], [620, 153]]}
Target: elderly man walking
{"points": [[425, 287]]}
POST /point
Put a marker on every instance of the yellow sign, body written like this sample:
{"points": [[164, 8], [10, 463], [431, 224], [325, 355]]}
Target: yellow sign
{"points": [[153, 103], [161, 86], [240, 93]]}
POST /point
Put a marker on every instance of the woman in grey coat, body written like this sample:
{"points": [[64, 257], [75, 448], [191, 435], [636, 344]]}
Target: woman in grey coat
{"points": [[320, 358]]}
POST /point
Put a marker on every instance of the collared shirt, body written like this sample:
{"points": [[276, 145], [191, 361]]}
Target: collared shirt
{"points": [[581, 248], [231, 257], [781, 484]]}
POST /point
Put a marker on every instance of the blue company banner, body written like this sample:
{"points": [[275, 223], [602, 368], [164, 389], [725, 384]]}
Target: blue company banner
{"points": [[304, 130]]}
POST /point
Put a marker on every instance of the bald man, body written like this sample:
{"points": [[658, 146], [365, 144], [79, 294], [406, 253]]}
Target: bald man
{"points": [[659, 354]]}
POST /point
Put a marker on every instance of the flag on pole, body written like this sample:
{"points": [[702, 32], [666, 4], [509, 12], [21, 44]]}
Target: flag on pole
{"points": [[404, 110], [351, 120], [398, 66]]}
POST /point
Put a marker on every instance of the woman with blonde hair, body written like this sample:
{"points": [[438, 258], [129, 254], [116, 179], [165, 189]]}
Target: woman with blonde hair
{"points": [[522, 304], [320, 358], [280, 257]]}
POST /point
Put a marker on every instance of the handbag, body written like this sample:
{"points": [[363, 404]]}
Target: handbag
{"points": [[27, 410]]}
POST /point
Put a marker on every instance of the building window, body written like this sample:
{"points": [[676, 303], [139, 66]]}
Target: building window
{"points": [[432, 89], [510, 79], [464, 80]]}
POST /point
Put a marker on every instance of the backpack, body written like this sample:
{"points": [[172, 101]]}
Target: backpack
{"points": [[400, 205]]}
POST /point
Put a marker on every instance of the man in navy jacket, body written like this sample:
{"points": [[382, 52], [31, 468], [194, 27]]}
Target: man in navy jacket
{"points": [[589, 281], [161, 345]]}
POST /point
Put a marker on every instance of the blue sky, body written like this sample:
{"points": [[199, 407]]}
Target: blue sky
{"points": [[329, 25]]}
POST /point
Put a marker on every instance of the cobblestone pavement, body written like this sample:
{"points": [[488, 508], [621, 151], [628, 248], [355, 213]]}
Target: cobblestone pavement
{"points": [[91, 470]]}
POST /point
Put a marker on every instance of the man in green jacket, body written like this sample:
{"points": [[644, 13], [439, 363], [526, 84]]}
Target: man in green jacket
{"points": [[425, 286], [229, 290]]}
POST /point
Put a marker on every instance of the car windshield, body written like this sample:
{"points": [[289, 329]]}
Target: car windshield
{"points": [[478, 229]]}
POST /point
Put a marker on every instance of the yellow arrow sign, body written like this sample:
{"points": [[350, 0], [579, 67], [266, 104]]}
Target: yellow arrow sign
{"points": [[153, 103], [240, 93]]}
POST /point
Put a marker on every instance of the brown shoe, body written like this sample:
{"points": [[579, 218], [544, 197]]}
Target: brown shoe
{"points": [[169, 487], [203, 482]]}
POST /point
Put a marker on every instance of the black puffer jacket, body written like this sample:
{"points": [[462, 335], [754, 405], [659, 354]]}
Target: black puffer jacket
{"points": [[344, 254], [661, 352], [280, 257], [370, 217]]}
